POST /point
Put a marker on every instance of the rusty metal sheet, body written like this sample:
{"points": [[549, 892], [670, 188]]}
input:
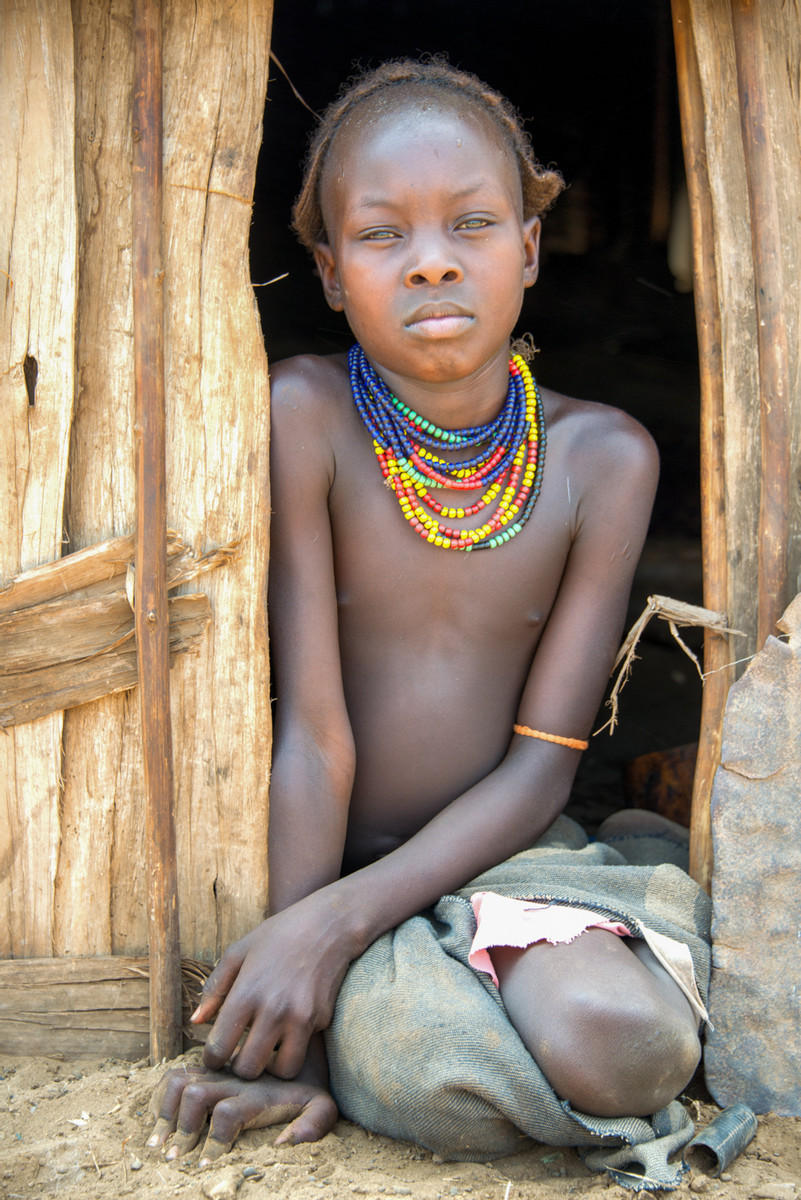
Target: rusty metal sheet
{"points": [[754, 1053]]}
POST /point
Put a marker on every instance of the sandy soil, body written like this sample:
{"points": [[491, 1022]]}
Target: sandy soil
{"points": [[79, 1130]]}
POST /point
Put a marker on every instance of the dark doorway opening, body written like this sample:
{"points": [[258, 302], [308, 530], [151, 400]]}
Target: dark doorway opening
{"points": [[597, 86]]}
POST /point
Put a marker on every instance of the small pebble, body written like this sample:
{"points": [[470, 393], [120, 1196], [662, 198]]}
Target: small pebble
{"points": [[136, 1164], [700, 1184], [725, 1177], [223, 1187], [252, 1173]]}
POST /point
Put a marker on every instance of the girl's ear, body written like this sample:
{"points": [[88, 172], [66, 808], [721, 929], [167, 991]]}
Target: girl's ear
{"points": [[531, 245], [329, 276]]}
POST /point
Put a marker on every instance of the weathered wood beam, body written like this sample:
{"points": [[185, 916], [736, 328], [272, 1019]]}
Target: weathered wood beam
{"points": [[67, 628], [151, 618], [74, 1006], [719, 675], [77, 1006], [107, 666], [770, 300]]}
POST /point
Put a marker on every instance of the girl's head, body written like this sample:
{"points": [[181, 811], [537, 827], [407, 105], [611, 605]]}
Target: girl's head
{"points": [[430, 82]]}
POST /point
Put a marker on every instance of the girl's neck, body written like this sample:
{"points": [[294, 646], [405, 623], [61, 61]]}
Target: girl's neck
{"points": [[454, 403]]}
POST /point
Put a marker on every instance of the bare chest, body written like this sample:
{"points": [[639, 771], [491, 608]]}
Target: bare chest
{"points": [[391, 581]]}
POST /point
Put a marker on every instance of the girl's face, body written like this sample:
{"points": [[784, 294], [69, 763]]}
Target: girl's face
{"points": [[428, 252]]}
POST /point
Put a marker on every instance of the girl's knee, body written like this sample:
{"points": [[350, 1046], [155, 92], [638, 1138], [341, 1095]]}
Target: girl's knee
{"points": [[610, 1030], [626, 1059]]}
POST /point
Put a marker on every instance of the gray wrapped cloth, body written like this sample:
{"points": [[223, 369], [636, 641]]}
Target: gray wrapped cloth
{"points": [[421, 1047]]}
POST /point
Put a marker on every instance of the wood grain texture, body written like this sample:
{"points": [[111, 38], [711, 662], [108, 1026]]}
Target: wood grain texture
{"points": [[762, 153], [718, 648], [151, 616], [71, 825], [64, 1003], [752, 548], [37, 348], [216, 59], [215, 73], [101, 798], [101, 654]]}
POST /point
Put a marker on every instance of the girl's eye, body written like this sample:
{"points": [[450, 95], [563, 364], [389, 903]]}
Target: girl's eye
{"points": [[378, 235], [474, 223]]}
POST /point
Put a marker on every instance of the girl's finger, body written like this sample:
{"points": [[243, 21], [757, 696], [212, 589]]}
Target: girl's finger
{"points": [[225, 1033], [217, 987], [166, 1100], [257, 1050], [291, 1054], [248, 1110], [162, 1130], [317, 1118], [197, 1101]]}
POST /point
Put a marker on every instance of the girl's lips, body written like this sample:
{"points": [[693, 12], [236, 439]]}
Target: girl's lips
{"points": [[436, 327], [434, 320]]}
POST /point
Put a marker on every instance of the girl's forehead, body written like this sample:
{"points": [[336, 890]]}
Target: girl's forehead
{"points": [[421, 131], [413, 121]]}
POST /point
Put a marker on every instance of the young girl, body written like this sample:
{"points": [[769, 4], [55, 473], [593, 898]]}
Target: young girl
{"points": [[452, 552]]}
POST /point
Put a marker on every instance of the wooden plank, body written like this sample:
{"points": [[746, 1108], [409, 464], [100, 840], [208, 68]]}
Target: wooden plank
{"points": [[77, 643], [84, 569], [103, 563], [151, 617], [717, 646], [38, 274], [80, 1006], [750, 428], [102, 800], [30, 695], [762, 149], [75, 1006], [723, 282], [215, 75]]}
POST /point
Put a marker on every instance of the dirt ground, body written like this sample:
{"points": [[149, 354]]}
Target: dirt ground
{"points": [[79, 1129]]}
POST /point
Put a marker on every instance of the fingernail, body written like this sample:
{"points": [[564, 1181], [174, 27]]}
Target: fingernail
{"points": [[195, 1014], [153, 1140], [171, 1153], [204, 1162]]}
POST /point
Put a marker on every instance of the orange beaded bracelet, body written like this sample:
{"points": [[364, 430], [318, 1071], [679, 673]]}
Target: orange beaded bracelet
{"points": [[573, 743]]}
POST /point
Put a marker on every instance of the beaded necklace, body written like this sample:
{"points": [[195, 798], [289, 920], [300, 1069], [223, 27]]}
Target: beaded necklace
{"points": [[508, 464]]}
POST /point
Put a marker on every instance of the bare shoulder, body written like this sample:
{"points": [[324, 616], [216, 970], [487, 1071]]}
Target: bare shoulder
{"points": [[308, 383], [599, 439], [309, 399]]}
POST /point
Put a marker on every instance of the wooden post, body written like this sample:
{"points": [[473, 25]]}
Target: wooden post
{"points": [[774, 384], [151, 619], [715, 551]]}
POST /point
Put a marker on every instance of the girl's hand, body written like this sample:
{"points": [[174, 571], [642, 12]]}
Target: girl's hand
{"points": [[279, 983], [187, 1098]]}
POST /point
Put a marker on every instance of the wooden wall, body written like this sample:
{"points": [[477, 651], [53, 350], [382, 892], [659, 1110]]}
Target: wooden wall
{"points": [[72, 862], [739, 68]]}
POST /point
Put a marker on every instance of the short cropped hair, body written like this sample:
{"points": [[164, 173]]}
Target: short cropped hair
{"points": [[540, 185]]}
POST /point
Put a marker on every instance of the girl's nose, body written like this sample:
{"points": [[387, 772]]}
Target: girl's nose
{"points": [[432, 264]]}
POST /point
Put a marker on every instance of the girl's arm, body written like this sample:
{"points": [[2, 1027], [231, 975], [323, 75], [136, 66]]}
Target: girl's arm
{"points": [[313, 752]]}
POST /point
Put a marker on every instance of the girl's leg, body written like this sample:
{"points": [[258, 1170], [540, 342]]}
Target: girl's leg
{"points": [[608, 1027]]}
